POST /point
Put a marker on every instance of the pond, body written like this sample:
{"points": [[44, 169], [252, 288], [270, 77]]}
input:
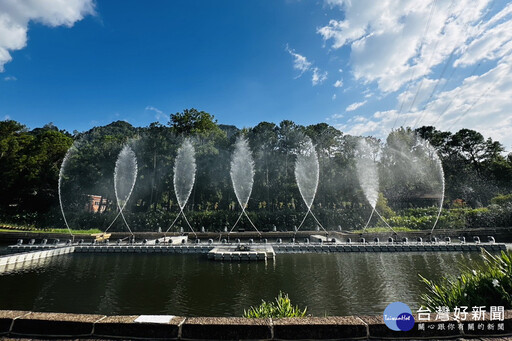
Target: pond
{"points": [[192, 285], [3, 248]]}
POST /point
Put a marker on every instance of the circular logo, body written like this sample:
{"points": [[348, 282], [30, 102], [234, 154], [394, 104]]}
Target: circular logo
{"points": [[398, 316]]}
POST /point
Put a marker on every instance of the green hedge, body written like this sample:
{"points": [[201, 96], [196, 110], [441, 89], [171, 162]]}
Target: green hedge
{"points": [[349, 218]]}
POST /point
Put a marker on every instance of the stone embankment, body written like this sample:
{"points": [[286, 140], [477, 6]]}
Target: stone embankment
{"points": [[36, 325]]}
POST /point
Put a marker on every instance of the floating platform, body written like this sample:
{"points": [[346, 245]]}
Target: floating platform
{"points": [[389, 247], [8, 262], [206, 248], [23, 255], [242, 252]]}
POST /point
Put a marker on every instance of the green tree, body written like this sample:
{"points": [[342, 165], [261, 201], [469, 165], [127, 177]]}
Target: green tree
{"points": [[29, 164]]}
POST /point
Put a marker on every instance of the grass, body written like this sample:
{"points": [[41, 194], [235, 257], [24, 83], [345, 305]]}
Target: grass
{"points": [[32, 229], [90, 231], [488, 285], [282, 307], [385, 229]]}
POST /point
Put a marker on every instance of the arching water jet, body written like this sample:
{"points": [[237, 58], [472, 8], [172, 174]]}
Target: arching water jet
{"points": [[414, 171], [61, 176], [242, 176], [307, 173], [184, 178], [125, 176], [368, 175]]}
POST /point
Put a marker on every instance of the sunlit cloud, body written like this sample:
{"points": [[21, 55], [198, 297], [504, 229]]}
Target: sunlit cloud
{"points": [[15, 17], [355, 106], [302, 64], [159, 114]]}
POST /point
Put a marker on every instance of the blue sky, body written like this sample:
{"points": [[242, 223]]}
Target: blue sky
{"points": [[363, 66]]}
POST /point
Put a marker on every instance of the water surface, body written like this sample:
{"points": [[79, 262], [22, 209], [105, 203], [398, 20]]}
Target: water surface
{"points": [[192, 285]]}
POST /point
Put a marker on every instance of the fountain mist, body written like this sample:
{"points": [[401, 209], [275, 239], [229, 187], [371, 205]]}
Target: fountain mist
{"points": [[184, 177], [417, 171], [307, 173], [184, 172], [367, 174], [242, 175], [125, 176], [439, 166], [61, 175]]}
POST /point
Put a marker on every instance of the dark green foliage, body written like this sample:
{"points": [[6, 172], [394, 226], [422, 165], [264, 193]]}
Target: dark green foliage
{"points": [[475, 169], [29, 165], [502, 200], [453, 218], [488, 285], [476, 172], [282, 307]]}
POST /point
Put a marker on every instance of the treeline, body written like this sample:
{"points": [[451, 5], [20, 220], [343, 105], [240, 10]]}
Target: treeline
{"points": [[475, 170]]}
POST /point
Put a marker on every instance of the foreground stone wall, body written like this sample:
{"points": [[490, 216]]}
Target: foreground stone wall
{"points": [[23, 324]]}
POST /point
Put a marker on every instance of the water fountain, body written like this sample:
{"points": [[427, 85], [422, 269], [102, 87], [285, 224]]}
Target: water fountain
{"points": [[61, 176], [184, 178], [92, 190], [307, 173], [415, 161], [125, 176], [415, 164], [242, 177], [367, 173]]}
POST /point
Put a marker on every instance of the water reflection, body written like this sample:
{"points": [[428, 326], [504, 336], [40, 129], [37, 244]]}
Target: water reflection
{"points": [[191, 285]]}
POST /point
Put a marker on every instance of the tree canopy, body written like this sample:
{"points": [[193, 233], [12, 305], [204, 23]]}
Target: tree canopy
{"points": [[475, 169]]}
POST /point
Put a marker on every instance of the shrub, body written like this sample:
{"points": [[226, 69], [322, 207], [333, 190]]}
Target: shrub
{"points": [[491, 284], [502, 199], [282, 307], [384, 229], [412, 222], [383, 207]]}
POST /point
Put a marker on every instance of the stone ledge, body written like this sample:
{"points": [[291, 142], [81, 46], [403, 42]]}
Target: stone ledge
{"points": [[125, 327], [54, 325], [7, 317], [479, 333], [336, 327], [226, 328], [23, 324], [377, 329]]}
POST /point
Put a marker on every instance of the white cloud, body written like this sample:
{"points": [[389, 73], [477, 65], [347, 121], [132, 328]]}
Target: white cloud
{"points": [[363, 127], [7, 117], [418, 93], [300, 62], [403, 45], [10, 78], [159, 114], [338, 83], [318, 76], [15, 16], [333, 97], [334, 117], [481, 103], [492, 43], [355, 106], [393, 42]]}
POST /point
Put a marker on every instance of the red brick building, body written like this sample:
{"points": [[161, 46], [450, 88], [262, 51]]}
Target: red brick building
{"points": [[96, 204]]}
